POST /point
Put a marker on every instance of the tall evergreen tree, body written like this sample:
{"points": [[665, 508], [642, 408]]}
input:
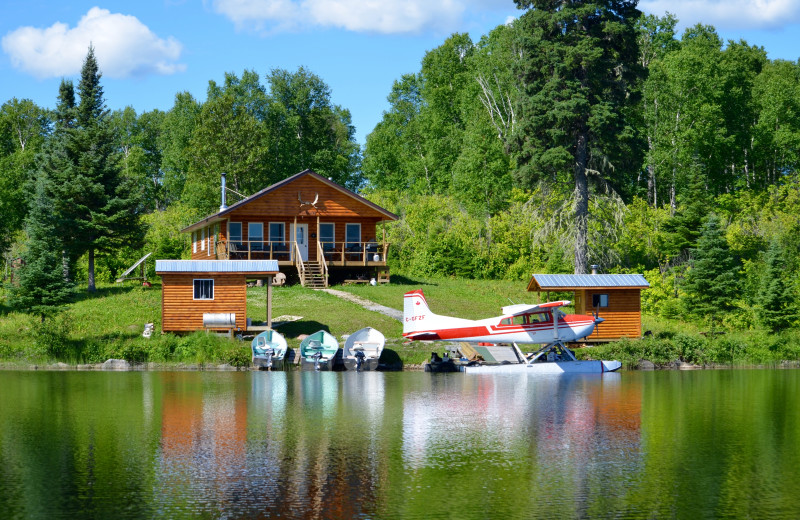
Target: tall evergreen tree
{"points": [[776, 300], [577, 68], [711, 283], [98, 207], [42, 289]]}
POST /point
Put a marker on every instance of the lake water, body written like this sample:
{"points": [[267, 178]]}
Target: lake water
{"points": [[399, 445]]}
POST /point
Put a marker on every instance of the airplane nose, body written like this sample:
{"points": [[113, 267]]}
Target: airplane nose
{"points": [[599, 320]]}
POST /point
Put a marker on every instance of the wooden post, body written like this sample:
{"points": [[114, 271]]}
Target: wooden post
{"points": [[269, 301]]}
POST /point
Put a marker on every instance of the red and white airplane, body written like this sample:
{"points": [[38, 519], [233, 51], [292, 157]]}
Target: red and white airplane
{"points": [[542, 324], [521, 323]]}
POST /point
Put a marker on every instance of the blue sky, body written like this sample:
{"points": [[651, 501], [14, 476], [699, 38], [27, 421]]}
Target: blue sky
{"points": [[149, 50]]}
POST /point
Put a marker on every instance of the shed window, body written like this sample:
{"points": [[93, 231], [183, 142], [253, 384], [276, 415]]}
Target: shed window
{"points": [[599, 300], [203, 289], [194, 241], [203, 239]]}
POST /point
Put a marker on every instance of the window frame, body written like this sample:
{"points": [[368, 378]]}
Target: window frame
{"points": [[332, 240], [599, 296], [274, 239], [250, 240], [347, 241], [202, 289]]}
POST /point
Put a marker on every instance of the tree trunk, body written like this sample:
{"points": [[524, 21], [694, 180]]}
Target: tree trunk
{"points": [[581, 204], [92, 288]]}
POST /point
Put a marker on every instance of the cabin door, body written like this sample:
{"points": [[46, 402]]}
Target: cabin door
{"points": [[301, 237]]}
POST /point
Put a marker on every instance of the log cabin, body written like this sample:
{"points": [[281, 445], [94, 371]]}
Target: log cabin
{"points": [[314, 228], [614, 297], [211, 294]]}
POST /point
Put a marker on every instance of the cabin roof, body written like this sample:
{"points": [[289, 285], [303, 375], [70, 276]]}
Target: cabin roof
{"points": [[220, 214], [569, 282], [217, 266]]}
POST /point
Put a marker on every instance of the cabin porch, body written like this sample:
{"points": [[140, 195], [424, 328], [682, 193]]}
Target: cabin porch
{"points": [[314, 263]]}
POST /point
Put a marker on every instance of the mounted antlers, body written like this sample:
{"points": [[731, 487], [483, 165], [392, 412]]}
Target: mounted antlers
{"points": [[305, 203]]}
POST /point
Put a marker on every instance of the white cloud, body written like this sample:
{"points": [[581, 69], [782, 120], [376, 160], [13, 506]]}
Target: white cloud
{"points": [[386, 16], [124, 47], [728, 14]]}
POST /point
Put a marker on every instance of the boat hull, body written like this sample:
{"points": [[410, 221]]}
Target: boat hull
{"points": [[324, 364], [366, 365], [547, 367], [263, 362]]}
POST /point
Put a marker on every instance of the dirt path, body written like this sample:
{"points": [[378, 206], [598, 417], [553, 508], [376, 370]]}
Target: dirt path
{"points": [[370, 306]]}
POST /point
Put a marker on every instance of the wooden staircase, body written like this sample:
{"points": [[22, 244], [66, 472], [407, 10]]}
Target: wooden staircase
{"points": [[314, 277]]}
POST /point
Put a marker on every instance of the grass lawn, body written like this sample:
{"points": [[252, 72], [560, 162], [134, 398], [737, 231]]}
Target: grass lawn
{"points": [[109, 324], [470, 299]]}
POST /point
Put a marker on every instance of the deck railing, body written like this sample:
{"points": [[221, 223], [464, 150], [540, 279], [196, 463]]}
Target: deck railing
{"points": [[341, 253]]}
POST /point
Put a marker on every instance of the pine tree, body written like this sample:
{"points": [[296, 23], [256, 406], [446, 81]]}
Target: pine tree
{"points": [[776, 301], [578, 70], [711, 283], [97, 206], [42, 289]]}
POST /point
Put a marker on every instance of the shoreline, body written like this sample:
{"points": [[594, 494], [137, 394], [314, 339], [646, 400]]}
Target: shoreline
{"points": [[119, 365]]}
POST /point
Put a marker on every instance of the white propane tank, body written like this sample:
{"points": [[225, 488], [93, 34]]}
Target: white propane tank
{"points": [[219, 320]]}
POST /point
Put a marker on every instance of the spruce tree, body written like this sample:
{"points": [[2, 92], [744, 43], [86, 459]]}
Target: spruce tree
{"points": [[776, 300], [578, 71], [42, 289], [711, 283], [98, 207]]}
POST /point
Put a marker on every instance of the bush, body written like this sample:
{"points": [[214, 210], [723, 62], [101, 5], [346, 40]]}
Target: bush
{"points": [[51, 337], [690, 349]]}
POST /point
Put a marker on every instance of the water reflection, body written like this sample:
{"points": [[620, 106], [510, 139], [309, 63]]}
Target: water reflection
{"points": [[398, 445]]}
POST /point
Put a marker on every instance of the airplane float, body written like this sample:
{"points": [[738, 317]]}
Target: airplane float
{"points": [[542, 324]]}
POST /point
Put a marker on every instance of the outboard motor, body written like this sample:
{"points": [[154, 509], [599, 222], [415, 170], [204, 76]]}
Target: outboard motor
{"points": [[316, 357], [360, 356], [268, 353]]}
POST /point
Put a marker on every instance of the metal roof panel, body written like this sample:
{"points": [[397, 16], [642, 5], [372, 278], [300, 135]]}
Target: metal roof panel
{"points": [[559, 281], [216, 266]]}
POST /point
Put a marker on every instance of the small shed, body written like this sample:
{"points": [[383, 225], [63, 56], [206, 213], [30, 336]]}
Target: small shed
{"points": [[614, 297], [192, 289]]}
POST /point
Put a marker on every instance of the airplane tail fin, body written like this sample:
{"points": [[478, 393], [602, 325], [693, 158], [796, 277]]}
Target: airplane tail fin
{"points": [[415, 312]]}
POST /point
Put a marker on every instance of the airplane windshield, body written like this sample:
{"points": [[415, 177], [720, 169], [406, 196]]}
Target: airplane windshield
{"points": [[527, 319]]}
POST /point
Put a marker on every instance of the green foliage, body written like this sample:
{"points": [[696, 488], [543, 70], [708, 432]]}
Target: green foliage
{"points": [[42, 288], [97, 207], [711, 283], [777, 299], [578, 64]]}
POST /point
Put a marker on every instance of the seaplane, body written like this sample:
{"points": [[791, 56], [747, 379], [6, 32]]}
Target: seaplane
{"points": [[519, 324]]}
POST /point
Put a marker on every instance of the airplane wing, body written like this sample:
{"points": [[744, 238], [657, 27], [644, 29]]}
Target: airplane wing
{"points": [[524, 308]]}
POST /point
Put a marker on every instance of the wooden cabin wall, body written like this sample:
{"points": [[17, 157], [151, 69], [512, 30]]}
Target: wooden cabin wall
{"points": [[623, 316], [179, 310]]}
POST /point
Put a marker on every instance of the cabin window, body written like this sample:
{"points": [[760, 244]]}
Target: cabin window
{"points": [[599, 300], [203, 289], [255, 233], [505, 321], [194, 241], [235, 235], [538, 317], [352, 236], [203, 239], [210, 239], [277, 233], [327, 236], [215, 238], [520, 319]]}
